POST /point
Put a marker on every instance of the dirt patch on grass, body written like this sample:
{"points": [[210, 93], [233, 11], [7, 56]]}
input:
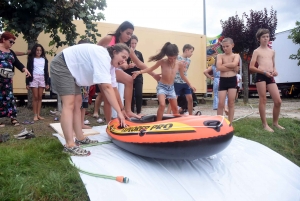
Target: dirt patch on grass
{"points": [[290, 109]]}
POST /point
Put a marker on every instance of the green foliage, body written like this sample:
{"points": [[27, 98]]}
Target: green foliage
{"points": [[243, 32], [31, 17], [295, 36]]}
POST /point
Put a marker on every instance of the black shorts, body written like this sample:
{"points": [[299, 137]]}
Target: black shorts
{"points": [[264, 78], [85, 105], [97, 88], [227, 83]]}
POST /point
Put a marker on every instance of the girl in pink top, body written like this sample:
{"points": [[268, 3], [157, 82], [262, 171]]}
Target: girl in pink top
{"points": [[122, 35]]}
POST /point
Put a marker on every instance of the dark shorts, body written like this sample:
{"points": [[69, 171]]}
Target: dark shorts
{"points": [[97, 89], [264, 78], [227, 83], [182, 88]]}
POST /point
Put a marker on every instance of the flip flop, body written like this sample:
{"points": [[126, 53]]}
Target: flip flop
{"points": [[27, 122]]}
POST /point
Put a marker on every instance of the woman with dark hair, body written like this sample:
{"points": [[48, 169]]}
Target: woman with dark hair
{"points": [[85, 65], [8, 60], [122, 35], [137, 93], [37, 65]]}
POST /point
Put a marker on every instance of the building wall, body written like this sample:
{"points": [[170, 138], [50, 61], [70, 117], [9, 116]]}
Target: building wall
{"points": [[150, 43]]}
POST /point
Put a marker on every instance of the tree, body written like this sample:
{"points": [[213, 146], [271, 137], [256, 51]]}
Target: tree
{"points": [[243, 35], [32, 17], [295, 36]]}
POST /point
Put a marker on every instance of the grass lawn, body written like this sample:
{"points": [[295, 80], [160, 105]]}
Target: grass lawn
{"points": [[36, 169]]}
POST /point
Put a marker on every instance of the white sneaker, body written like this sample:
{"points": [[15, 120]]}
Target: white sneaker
{"points": [[86, 122], [100, 120]]}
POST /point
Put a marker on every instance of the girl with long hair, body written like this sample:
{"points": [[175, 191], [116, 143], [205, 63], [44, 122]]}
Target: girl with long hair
{"points": [[37, 65], [169, 67]]}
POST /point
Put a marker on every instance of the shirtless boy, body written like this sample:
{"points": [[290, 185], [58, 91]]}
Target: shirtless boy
{"points": [[266, 72], [227, 64]]}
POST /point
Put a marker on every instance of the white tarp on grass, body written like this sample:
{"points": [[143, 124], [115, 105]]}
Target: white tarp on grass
{"points": [[245, 170]]}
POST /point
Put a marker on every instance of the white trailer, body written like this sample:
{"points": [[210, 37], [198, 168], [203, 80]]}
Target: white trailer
{"points": [[288, 79]]}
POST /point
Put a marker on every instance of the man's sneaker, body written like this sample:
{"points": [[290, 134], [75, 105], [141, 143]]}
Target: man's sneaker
{"points": [[24, 132], [76, 151], [85, 141]]}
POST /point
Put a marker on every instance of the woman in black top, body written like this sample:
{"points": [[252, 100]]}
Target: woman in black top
{"points": [[137, 95], [8, 60]]}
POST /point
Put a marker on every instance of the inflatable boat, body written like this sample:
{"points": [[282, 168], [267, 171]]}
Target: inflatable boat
{"points": [[175, 137]]}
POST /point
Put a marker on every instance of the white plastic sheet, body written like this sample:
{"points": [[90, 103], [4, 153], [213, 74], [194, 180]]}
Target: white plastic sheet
{"points": [[245, 170]]}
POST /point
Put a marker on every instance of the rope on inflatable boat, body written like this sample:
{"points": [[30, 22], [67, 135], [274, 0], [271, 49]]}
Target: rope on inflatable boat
{"points": [[120, 179]]}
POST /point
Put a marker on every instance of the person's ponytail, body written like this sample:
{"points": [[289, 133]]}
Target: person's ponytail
{"points": [[161, 54], [167, 50]]}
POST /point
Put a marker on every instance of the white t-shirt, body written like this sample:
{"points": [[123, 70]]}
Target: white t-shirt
{"points": [[239, 80], [89, 64], [113, 77], [38, 66]]}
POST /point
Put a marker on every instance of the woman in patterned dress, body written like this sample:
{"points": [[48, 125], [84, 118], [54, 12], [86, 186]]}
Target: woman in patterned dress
{"points": [[8, 60]]}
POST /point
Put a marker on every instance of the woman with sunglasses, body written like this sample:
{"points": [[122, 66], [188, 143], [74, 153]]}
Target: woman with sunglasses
{"points": [[8, 60]]}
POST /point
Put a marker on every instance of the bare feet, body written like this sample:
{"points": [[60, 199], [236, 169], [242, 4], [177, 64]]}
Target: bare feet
{"points": [[96, 116], [35, 118], [140, 114], [131, 114], [278, 126], [267, 128], [226, 111], [40, 118], [86, 127]]}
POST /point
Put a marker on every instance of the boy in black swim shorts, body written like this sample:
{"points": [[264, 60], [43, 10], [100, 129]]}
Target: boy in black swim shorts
{"points": [[227, 64], [264, 78], [266, 71]]}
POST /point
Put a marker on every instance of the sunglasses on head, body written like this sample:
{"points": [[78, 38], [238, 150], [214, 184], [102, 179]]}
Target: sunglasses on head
{"points": [[12, 42]]}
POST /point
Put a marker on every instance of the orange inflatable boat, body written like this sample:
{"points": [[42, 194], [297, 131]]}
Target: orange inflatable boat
{"points": [[175, 137]]}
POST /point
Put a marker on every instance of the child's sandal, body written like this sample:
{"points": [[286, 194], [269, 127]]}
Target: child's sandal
{"points": [[14, 122]]}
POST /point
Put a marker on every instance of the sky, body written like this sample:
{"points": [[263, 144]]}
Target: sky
{"points": [[187, 15]]}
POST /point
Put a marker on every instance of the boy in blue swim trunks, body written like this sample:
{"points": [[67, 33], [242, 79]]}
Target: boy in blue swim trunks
{"points": [[169, 67]]}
